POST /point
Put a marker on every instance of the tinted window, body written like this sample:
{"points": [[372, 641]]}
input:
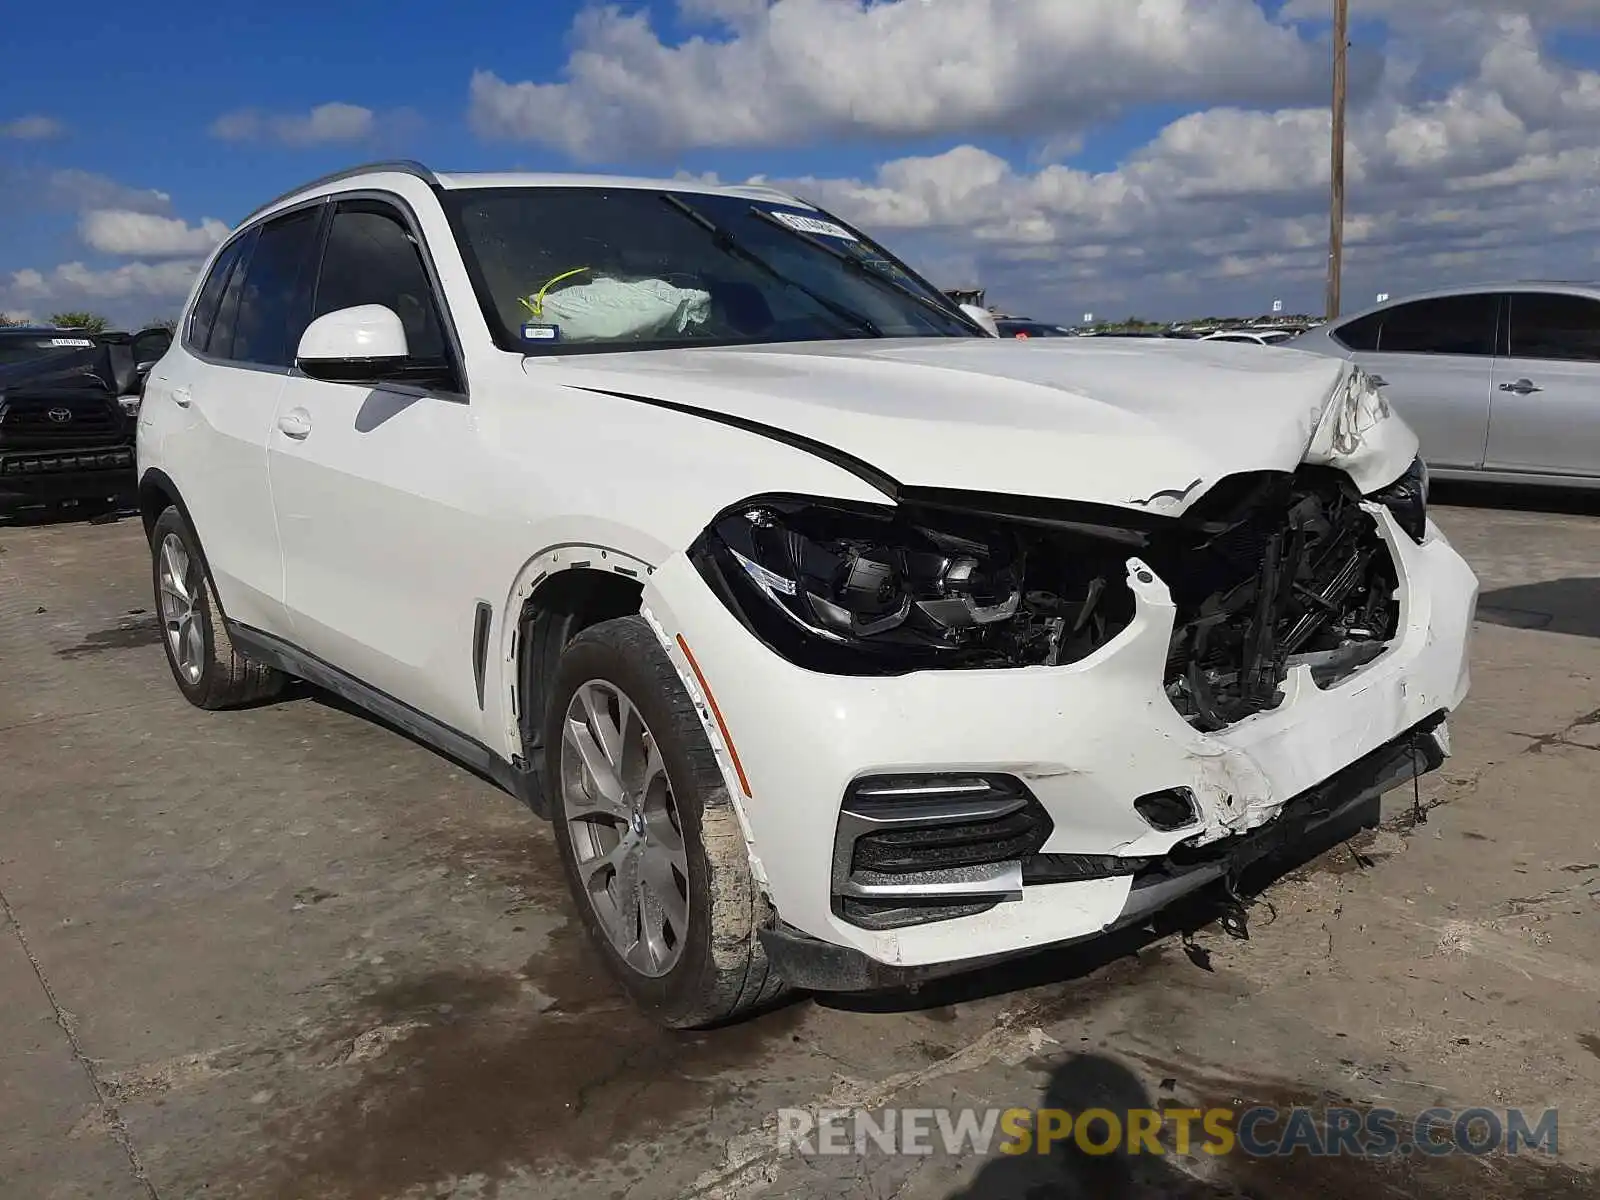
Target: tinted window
{"points": [[371, 259], [1552, 326], [150, 344], [275, 302], [220, 343], [1362, 333], [1450, 325], [205, 308]]}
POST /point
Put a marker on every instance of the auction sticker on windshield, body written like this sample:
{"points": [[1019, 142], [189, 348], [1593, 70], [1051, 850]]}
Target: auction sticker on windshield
{"points": [[812, 225]]}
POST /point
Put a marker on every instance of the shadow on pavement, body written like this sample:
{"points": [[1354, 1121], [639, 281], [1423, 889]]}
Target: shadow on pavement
{"points": [[1559, 606], [92, 512], [1572, 501], [1099, 1168]]}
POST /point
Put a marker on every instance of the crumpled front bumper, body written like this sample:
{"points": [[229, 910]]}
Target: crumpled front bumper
{"points": [[1087, 739]]}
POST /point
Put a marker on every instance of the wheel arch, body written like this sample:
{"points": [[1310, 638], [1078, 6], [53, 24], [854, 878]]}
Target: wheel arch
{"points": [[556, 595], [157, 493]]}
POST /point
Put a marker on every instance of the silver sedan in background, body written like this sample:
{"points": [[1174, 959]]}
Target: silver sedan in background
{"points": [[1501, 382]]}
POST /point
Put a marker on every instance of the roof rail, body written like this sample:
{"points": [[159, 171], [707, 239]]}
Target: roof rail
{"points": [[402, 166]]}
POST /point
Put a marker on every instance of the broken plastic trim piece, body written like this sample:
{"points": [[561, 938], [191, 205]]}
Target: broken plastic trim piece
{"points": [[1407, 499]]}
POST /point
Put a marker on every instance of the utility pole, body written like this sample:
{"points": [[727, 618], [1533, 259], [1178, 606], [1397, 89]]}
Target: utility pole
{"points": [[1341, 57]]}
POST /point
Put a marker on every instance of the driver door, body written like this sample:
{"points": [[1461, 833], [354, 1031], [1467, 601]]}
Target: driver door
{"points": [[371, 486]]}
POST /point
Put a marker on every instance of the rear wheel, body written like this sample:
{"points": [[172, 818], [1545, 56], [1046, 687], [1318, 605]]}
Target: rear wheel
{"points": [[650, 842], [206, 667]]}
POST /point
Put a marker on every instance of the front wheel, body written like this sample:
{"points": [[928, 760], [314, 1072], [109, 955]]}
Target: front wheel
{"points": [[206, 667], [652, 848]]}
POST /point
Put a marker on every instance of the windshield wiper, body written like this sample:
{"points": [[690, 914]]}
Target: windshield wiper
{"points": [[867, 271], [727, 242]]}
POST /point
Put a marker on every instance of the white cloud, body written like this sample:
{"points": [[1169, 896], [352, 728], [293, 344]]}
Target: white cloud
{"points": [[335, 122], [34, 128], [795, 71], [147, 235], [75, 189], [74, 282], [1227, 207]]}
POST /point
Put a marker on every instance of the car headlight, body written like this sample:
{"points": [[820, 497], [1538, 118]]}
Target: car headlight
{"points": [[856, 589], [1407, 499]]}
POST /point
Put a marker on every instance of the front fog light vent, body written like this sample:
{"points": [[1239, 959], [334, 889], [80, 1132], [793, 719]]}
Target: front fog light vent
{"points": [[918, 848], [1172, 809]]}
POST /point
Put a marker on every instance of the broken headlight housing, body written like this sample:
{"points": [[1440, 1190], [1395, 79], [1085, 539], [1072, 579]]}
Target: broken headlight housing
{"points": [[859, 589], [1407, 499]]}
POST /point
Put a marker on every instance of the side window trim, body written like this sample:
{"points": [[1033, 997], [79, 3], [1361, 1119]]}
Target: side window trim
{"points": [[237, 238], [312, 261], [407, 217]]}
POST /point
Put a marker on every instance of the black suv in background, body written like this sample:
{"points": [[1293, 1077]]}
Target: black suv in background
{"points": [[69, 401]]}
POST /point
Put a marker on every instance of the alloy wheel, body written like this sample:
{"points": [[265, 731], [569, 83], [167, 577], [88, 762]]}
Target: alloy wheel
{"points": [[180, 585], [622, 818]]}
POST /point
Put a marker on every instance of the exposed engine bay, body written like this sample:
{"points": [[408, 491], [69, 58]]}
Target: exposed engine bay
{"points": [[1289, 569], [1269, 570]]}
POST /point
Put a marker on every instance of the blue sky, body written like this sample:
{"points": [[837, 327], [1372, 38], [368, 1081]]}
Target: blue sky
{"points": [[1160, 157]]}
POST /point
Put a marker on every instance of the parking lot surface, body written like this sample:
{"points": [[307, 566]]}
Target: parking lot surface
{"points": [[288, 952]]}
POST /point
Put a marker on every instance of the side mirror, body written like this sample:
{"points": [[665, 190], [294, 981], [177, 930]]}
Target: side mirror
{"points": [[364, 344], [983, 317]]}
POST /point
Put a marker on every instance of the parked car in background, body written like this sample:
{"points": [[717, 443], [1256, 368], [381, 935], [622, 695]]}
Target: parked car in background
{"points": [[68, 402], [1267, 337], [843, 645], [1018, 327], [1500, 382]]}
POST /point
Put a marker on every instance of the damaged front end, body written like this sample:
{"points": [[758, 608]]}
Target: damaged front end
{"points": [[1267, 571], [1273, 571]]}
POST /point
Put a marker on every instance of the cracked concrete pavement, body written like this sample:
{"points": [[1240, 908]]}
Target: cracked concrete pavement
{"points": [[287, 952]]}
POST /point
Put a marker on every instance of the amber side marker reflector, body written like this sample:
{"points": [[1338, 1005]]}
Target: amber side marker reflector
{"points": [[727, 738]]}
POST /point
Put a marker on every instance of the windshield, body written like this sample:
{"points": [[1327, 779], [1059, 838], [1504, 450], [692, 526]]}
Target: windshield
{"points": [[565, 269], [34, 347]]}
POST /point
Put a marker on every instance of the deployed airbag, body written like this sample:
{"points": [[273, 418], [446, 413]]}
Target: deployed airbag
{"points": [[608, 309]]}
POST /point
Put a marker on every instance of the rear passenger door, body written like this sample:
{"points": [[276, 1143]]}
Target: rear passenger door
{"points": [[1436, 358], [1546, 411], [224, 387]]}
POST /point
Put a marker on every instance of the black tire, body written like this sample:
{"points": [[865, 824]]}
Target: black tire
{"points": [[227, 678], [722, 972]]}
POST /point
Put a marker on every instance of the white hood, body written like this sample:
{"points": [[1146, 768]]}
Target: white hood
{"points": [[1145, 423]]}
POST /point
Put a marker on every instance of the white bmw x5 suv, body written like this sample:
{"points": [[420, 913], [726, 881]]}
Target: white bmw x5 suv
{"points": [[844, 644]]}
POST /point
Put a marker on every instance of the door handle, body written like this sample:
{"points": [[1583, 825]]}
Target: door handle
{"points": [[296, 424], [1521, 387], [181, 397]]}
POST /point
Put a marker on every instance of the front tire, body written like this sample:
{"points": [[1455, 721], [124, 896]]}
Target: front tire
{"points": [[651, 845], [207, 668]]}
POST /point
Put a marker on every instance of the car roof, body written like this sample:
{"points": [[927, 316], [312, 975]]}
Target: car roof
{"points": [[1564, 286], [354, 178]]}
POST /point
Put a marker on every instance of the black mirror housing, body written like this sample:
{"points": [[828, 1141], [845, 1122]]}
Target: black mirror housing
{"points": [[354, 370]]}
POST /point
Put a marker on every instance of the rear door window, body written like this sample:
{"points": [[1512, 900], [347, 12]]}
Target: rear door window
{"points": [[220, 343], [205, 307], [275, 301], [1553, 326], [1447, 325]]}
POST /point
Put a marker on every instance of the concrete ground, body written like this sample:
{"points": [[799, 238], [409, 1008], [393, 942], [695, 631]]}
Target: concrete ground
{"points": [[286, 952]]}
